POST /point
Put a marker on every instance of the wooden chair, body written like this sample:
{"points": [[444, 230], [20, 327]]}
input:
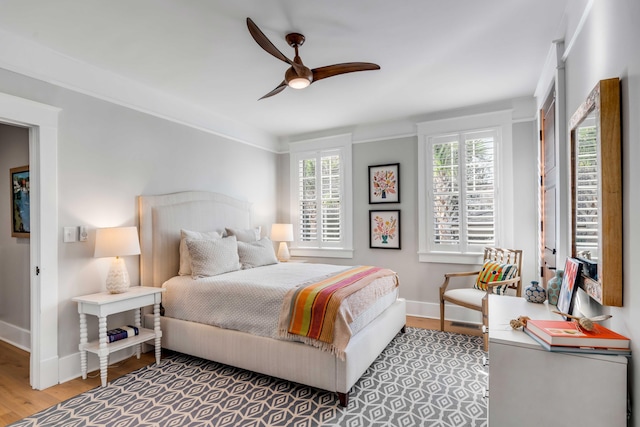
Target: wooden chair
{"points": [[476, 299]]}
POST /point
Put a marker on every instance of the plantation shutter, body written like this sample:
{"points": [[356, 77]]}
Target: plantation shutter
{"points": [[587, 192], [463, 191], [320, 199], [480, 188]]}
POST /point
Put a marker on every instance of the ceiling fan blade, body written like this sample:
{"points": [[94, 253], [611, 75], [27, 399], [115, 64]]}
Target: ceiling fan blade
{"points": [[276, 91], [347, 67], [269, 47]]}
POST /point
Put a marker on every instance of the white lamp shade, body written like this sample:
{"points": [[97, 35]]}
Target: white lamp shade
{"points": [[116, 242], [282, 232]]}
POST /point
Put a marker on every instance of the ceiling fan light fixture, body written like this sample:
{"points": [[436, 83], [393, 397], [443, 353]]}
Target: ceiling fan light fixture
{"points": [[299, 83]]}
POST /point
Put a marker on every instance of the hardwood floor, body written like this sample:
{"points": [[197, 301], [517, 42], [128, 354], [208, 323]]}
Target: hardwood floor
{"points": [[19, 400]]}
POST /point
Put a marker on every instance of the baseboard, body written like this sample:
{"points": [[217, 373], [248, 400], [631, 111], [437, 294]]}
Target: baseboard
{"points": [[16, 336], [69, 367]]}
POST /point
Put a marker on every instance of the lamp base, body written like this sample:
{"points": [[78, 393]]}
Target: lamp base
{"points": [[118, 277], [283, 252]]}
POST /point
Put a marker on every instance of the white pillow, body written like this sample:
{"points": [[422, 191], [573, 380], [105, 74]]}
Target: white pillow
{"points": [[213, 256], [245, 235], [256, 254], [185, 259]]}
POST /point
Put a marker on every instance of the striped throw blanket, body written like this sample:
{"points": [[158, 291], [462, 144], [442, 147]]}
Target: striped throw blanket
{"points": [[311, 310]]}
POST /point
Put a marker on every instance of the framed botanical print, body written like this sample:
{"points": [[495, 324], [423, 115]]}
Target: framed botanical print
{"points": [[20, 211], [384, 183], [384, 229]]}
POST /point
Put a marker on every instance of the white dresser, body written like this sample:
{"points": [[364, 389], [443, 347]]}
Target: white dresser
{"points": [[529, 386]]}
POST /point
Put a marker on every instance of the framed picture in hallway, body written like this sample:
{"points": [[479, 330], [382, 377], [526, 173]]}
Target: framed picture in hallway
{"points": [[384, 183], [20, 212], [384, 229]]}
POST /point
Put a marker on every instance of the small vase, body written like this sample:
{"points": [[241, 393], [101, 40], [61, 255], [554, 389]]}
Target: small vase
{"points": [[384, 194], [535, 293], [384, 238], [553, 287]]}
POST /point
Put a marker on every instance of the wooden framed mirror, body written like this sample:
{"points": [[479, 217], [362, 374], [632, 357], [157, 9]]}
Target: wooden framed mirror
{"points": [[596, 192]]}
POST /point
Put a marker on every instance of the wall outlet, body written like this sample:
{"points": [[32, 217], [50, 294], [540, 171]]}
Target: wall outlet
{"points": [[70, 234]]}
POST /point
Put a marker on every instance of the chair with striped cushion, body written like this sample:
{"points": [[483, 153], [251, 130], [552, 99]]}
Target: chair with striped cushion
{"points": [[500, 274]]}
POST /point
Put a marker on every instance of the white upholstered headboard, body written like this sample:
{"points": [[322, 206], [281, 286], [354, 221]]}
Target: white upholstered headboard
{"points": [[161, 218]]}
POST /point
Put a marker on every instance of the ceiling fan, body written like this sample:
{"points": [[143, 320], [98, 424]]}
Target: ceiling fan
{"points": [[298, 76]]}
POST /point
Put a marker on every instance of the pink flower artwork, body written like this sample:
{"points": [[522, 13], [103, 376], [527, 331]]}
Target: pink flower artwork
{"points": [[384, 183], [384, 229]]}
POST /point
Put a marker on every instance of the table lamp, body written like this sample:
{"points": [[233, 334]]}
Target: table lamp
{"points": [[282, 233], [117, 242]]}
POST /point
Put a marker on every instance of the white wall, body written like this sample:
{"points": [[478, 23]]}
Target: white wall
{"points": [[607, 47], [14, 252], [108, 155]]}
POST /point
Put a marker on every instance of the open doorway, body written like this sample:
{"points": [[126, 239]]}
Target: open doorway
{"points": [[42, 123], [15, 292]]}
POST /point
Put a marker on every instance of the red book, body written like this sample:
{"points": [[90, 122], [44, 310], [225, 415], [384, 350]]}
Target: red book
{"points": [[567, 333]]}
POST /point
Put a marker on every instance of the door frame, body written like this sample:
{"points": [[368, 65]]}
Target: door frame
{"points": [[42, 122]]}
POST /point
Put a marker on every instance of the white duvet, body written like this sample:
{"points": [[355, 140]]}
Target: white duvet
{"points": [[251, 300]]}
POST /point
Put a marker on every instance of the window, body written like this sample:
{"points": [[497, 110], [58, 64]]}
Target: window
{"points": [[321, 197], [460, 203]]}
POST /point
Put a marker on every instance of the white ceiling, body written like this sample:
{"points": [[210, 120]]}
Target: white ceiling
{"points": [[198, 55]]}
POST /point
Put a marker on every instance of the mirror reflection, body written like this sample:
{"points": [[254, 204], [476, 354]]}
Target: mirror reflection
{"points": [[586, 192]]}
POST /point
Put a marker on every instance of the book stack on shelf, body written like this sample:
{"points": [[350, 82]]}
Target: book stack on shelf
{"points": [[121, 333], [567, 336]]}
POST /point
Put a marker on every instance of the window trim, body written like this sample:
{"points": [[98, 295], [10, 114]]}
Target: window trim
{"points": [[343, 144], [504, 227]]}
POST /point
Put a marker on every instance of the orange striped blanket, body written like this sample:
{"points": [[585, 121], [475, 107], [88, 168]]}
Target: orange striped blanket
{"points": [[311, 312]]}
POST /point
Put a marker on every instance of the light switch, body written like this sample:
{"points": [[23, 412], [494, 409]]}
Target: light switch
{"points": [[70, 234], [84, 234]]}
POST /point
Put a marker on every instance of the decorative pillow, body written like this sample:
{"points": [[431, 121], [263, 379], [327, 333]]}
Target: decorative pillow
{"points": [[185, 259], [493, 271], [245, 235], [214, 256], [256, 254]]}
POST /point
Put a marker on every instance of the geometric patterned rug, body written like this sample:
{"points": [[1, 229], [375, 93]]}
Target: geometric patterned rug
{"points": [[423, 378]]}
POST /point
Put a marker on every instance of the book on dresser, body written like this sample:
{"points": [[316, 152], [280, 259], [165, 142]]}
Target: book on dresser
{"points": [[563, 335], [121, 333]]}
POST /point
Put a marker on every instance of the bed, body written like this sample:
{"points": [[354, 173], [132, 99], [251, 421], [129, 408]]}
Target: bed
{"points": [[161, 218]]}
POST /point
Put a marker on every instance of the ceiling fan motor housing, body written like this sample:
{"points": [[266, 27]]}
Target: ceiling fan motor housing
{"points": [[296, 81]]}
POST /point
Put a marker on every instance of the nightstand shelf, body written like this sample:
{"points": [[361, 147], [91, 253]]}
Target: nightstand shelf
{"points": [[104, 304], [143, 336]]}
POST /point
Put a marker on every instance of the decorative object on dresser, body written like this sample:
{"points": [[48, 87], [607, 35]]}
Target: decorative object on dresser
{"points": [[553, 287], [565, 333], [535, 293], [500, 274], [384, 229], [117, 242], [282, 233], [568, 286], [384, 183]]}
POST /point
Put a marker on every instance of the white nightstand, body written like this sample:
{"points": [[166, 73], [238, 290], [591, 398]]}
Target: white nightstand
{"points": [[102, 305]]}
